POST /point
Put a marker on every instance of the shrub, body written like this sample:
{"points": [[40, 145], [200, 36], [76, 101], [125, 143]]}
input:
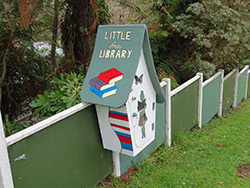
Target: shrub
{"points": [[11, 128], [163, 74], [218, 31], [64, 93]]}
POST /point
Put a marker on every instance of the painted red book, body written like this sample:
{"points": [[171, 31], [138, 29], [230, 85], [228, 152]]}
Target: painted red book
{"points": [[111, 76]]}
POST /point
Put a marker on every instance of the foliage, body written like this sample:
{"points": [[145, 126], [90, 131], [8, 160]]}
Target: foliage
{"points": [[11, 128], [194, 35], [139, 11], [27, 75], [24, 72], [64, 92], [104, 15], [166, 45], [158, 16], [163, 74], [192, 67], [217, 31]]}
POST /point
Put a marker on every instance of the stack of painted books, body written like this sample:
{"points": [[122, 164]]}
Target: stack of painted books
{"points": [[104, 84]]}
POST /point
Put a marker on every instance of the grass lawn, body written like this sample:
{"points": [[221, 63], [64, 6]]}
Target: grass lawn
{"points": [[210, 157]]}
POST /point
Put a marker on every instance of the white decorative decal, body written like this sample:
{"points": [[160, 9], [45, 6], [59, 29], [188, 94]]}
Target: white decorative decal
{"points": [[20, 157]]}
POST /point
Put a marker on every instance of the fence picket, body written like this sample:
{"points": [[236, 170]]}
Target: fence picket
{"points": [[200, 95], [168, 110], [5, 172], [236, 88], [221, 93]]}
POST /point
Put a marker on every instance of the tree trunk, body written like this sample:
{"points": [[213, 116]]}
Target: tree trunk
{"points": [[78, 33], [4, 66], [54, 36]]}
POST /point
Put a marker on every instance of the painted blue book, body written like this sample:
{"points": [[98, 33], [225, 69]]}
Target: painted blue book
{"points": [[104, 93], [99, 84]]}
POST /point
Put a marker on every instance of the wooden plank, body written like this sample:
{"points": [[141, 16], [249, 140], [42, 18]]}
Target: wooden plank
{"points": [[236, 88], [1, 179], [229, 74], [211, 97], [200, 101], [67, 154], [184, 85], [116, 164], [45, 123], [244, 69], [184, 109], [163, 83], [228, 91], [242, 85], [168, 110], [246, 87], [211, 79], [5, 171], [221, 93]]}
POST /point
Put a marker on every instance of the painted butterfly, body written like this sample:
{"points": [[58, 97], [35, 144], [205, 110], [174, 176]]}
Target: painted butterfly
{"points": [[141, 105], [138, 79]]}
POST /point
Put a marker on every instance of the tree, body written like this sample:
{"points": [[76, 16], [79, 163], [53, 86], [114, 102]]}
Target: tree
{"points": [[22, 70], [3, 56], [159, 17], [54, 35], [78, 32], [217, 32]]}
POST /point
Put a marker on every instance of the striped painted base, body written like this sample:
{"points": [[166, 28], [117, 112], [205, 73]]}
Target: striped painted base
{"points": [[120, 124]]}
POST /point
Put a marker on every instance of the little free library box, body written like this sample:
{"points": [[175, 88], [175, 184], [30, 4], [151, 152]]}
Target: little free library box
{"points": [[123, 84]]}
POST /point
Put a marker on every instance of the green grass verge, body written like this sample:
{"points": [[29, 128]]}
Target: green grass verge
{"points": [[203, 158]]}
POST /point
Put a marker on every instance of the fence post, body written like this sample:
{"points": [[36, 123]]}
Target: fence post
{"points": [[5, 171], [221, 93], [246, 83], [116, 164], [200, 96], [236, 88], [168, 110]]}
